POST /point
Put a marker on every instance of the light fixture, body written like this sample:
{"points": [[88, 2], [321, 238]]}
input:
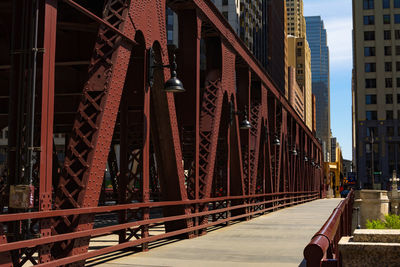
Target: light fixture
{"points": [[173, 85], [305, 158], [245, 123], [294, 151], [276, 141]]}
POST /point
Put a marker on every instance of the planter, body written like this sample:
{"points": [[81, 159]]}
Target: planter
{"points": [[371, 247]]}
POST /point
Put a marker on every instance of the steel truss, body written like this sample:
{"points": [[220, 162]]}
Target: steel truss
{"points": [[180, 161]]}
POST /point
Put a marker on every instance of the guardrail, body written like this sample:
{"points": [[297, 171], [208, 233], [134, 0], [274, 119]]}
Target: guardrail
{"points": [[222, 210], [323, 248]]}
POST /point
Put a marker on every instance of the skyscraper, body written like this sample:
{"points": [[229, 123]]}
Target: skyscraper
{"points": [[261, 25], [296, 24], [376, 93], [244, 17], [274, 43], [299, 55], [299, 58], [317, 39]]}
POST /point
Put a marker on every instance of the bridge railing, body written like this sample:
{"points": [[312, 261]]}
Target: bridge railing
{"points": [[323, 247], [222, 210]]}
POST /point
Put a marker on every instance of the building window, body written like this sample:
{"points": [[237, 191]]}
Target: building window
{"points": [[386, 19], [388, 66], [300, 44], [298, 52], [388, 50], [398, 100], [370, 20], [369, 51], [385, 3], [368, 4], [370, 67], [398, 66], [397, 50], [369, 35], [397, 18], [370, 83], [225, 2], [398, 82], [390, 131], [389, 114], [389, 99], [370, 99], [387, 35], [226, 15], [396, 3], [388, 83], [371, 115], [372, 131]]}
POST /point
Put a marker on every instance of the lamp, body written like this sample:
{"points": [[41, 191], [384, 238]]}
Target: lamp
{"points": [[276, 141], [305, 158], [245, 123], [294, 151], [173, 85]]}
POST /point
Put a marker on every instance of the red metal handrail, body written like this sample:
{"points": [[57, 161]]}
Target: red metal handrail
{"points": [[277, 200], [323, 247]]}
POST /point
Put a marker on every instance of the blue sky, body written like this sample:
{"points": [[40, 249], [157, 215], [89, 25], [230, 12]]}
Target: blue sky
{"points": [[337, 17]]}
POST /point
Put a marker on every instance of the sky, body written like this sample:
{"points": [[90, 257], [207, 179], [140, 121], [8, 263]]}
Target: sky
{"points": [[337, 17]]}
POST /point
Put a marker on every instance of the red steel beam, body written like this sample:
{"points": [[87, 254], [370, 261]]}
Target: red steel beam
{"points": [[46, 152], [208, 9]]}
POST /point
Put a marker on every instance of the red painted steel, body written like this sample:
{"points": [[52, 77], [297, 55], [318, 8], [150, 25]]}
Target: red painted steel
{"points": [[46, 153], [323, 248], [177, 160]]}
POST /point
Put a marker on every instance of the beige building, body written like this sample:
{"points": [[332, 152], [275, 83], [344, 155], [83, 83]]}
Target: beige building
{"points": [[299, 55], [296, 96], [296, 24], [299, 58], [376, 90]]}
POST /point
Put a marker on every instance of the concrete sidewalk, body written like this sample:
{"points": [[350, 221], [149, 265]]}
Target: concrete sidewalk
{"points": [[276, 239]]}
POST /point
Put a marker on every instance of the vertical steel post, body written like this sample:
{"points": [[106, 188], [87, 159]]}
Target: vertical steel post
{"points": [[146, 159], [47, 118]]}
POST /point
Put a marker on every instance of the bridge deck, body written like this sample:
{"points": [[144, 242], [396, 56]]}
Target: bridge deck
{"points": [[275, 239]]}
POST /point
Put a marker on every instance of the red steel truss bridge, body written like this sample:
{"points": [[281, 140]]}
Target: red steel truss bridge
{"points": [[100, 77]]}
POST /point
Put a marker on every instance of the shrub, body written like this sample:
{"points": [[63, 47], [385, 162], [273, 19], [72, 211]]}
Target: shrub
{"points": [[391, 221]]}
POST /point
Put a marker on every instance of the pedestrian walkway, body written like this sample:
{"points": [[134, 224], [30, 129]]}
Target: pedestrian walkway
{"points": [[276, 239]]}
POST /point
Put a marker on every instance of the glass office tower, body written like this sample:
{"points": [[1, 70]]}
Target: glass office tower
{"points": [[317, 39]]}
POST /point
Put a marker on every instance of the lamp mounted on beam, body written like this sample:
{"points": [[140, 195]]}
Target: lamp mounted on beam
{"points": [[173, 85], [245, 123], [276, 141], [294, 151]]}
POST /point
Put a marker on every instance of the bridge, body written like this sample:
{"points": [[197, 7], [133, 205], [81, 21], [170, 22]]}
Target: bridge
{"points": [[113, 132], [276, 239]]}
